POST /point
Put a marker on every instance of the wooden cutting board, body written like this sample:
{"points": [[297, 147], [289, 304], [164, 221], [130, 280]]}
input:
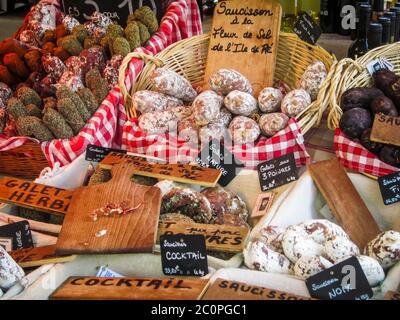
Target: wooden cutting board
{"points": [[244, 37], [344, 201], [133, 232]]}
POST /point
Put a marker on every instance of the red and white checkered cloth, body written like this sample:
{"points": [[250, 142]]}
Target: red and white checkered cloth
{"points": [[354, 156], [169, 148], [182, 20]]}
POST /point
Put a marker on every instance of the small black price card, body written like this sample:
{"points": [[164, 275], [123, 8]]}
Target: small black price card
{"points": [[20, 233], [97, 153], [344, 281], [390, 188], [307, 29], [277, 172], [184, 255], [215, 155]]}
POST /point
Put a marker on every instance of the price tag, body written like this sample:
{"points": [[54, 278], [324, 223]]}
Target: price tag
{"points": [[20, 233], [307, 29], [216, 156], [183, 255], [105, 272], [263, 204], [97, 153], [390, 188], [378, 64], [386, 129], [115, 10], [277, 172], [343, 281]]}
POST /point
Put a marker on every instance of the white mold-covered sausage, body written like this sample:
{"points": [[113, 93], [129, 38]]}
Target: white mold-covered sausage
{"points": [[385, 248], [169, 82], [313, 77], [308, 266], [150, 101], [295, 102], [10, 271], [240, 103], [269, 100], [227, 80], [272, 123], [259, 256], [206, 107], [244, 130]]}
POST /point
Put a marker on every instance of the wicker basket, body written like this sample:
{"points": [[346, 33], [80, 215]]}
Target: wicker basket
{"points": [[353, 73], [26, 161], [188, 58]]}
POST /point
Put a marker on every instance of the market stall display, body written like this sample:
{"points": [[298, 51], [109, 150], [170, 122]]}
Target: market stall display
{"points": [[178, 163], [104, 128]]}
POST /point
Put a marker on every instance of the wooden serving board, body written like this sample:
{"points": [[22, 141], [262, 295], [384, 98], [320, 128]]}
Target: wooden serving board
{"points": [[34, 196], [344, 201], [38, 256], [218, 237], [94, 288], [386, 129], [133, 232], [234, 290], [185, 173], [244, 37]]}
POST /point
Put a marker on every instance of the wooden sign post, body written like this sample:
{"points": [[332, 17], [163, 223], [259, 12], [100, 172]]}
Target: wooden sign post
{"points": [[386, 129], [218, 238], [184, 173], [119, 232], [92, 288], [344, 201], [234, 290], [244, 37], [34, 196]]}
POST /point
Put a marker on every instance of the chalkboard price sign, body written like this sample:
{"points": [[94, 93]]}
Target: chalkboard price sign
{"points": [[117, 10], [97, 153], [184, 255], [277, 172], [343, 281], [390, 188], [307, 29], [20, 233], [215, 155]]}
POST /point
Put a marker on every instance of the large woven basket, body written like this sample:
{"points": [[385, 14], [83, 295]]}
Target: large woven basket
{"points": [[26, 161], [354, 73], [188, 58]]}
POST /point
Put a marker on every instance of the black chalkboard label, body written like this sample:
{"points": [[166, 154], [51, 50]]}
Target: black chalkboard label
{"points": [[117, 10], [20, 233], [184, 255], [215, 155], [97, 153], [277, 172], [307, 29], [390, 188], [344, 281]]}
